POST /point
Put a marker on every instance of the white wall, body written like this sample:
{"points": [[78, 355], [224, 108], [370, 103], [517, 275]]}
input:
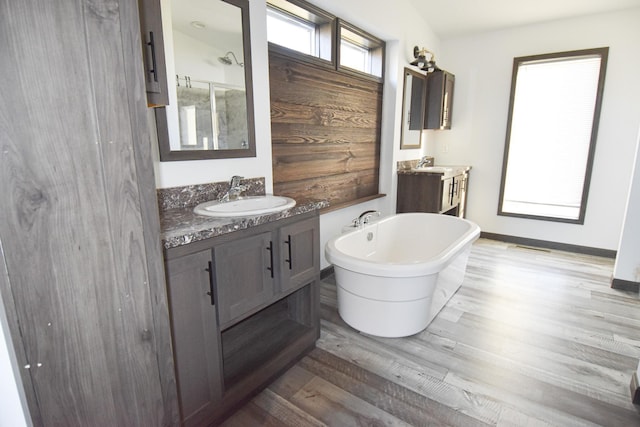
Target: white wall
{"points": [[482, 64], [627, 265]]}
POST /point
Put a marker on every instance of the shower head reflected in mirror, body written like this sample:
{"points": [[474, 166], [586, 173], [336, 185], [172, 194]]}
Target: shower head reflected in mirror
{"points": [[227, 61]]}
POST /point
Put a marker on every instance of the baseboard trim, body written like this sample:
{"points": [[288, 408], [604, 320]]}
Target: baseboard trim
{"points": [[625, 285], [606, 253], [326, 272]]}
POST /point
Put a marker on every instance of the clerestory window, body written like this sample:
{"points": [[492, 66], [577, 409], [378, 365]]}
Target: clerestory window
{"points": [[300, 26], [360, 51]]}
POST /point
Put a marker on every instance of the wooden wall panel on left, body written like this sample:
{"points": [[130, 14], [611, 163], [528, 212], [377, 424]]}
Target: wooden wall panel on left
{"points": [[84, 285]]}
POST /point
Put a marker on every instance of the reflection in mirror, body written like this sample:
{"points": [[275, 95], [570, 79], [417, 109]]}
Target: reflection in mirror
{"points": [[413, 99], [211, 116], [210, 111]]}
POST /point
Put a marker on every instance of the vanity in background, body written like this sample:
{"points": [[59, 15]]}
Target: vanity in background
{"points": [[244, 300], [434, 189]]}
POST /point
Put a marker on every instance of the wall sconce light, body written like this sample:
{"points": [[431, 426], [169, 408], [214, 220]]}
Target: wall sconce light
{"points": [[421, 61]]}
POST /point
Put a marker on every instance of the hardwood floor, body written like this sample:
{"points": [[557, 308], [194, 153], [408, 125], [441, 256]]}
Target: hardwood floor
{"points": [[532, 338]]}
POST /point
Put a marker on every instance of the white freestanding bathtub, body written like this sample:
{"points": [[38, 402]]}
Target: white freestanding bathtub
{"points": [[393, 276]]}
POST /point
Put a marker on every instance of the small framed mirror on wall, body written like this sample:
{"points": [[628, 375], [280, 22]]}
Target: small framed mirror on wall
{"points": [[210, 111], [413, 99]]}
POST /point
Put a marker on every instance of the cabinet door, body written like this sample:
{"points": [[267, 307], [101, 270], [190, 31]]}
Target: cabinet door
{"points": [[299, 253], [417, 102], [419, 192], [448, 194], [195, 336], [439, 101], [244, 272], [447, 100], [153, 53]]}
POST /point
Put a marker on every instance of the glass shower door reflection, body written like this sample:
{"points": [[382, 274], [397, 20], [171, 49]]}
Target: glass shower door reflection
{"points": [[197, 116]]}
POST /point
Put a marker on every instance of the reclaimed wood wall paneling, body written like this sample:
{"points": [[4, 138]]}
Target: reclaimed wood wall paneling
{"points": [[325, 132]]}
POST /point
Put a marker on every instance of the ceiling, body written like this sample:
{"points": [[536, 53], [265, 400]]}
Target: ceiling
{"points": [[216, 20], [452, 18]]}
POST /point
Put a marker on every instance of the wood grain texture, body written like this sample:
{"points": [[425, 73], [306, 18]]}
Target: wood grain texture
{"points": [[197, 350], [320, 160], [299, 254], [72, 223], [419, 193], [325, 130], [338, 189], [243, 280], [142, 152], [532, 338]]}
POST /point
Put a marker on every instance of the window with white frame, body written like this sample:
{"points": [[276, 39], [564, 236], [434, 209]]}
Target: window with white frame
{"points": [[307, 29], [551, 135], [354, 56], [360, 51], [293, 33], [300, 26]]}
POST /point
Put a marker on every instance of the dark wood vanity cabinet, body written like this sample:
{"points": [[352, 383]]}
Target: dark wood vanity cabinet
{"points": [[244, 307], [439, 100], [153, 53], [432, 193]]}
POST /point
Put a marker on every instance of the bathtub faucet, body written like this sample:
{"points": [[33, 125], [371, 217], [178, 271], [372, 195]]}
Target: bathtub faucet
{"points": [[234, 189], [365, 218]]}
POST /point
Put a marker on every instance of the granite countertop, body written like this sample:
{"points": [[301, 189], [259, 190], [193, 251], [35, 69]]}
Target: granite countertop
{"points": [[180, 226], [445, 170]]}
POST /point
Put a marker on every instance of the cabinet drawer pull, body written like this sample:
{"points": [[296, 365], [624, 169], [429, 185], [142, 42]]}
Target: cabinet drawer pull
{"points": [[210, 293], [270, 249], [154, 68], [289, 260]]}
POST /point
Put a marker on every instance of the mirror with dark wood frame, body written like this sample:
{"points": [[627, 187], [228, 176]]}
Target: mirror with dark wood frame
{"points": [[210, 111]]}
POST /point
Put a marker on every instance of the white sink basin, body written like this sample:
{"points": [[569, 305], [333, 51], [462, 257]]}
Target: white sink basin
{"points": [[245, 206]]}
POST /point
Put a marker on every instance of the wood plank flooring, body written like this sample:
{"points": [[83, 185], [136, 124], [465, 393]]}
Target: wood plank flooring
{"points": [[532, 338]]}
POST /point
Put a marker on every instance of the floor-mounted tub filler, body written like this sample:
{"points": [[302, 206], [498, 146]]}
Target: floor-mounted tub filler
{"points": [[394, 275]]}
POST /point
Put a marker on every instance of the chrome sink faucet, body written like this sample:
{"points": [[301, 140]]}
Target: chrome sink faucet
{"points": [[235, 189], [425, 161], [365, 218]]}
